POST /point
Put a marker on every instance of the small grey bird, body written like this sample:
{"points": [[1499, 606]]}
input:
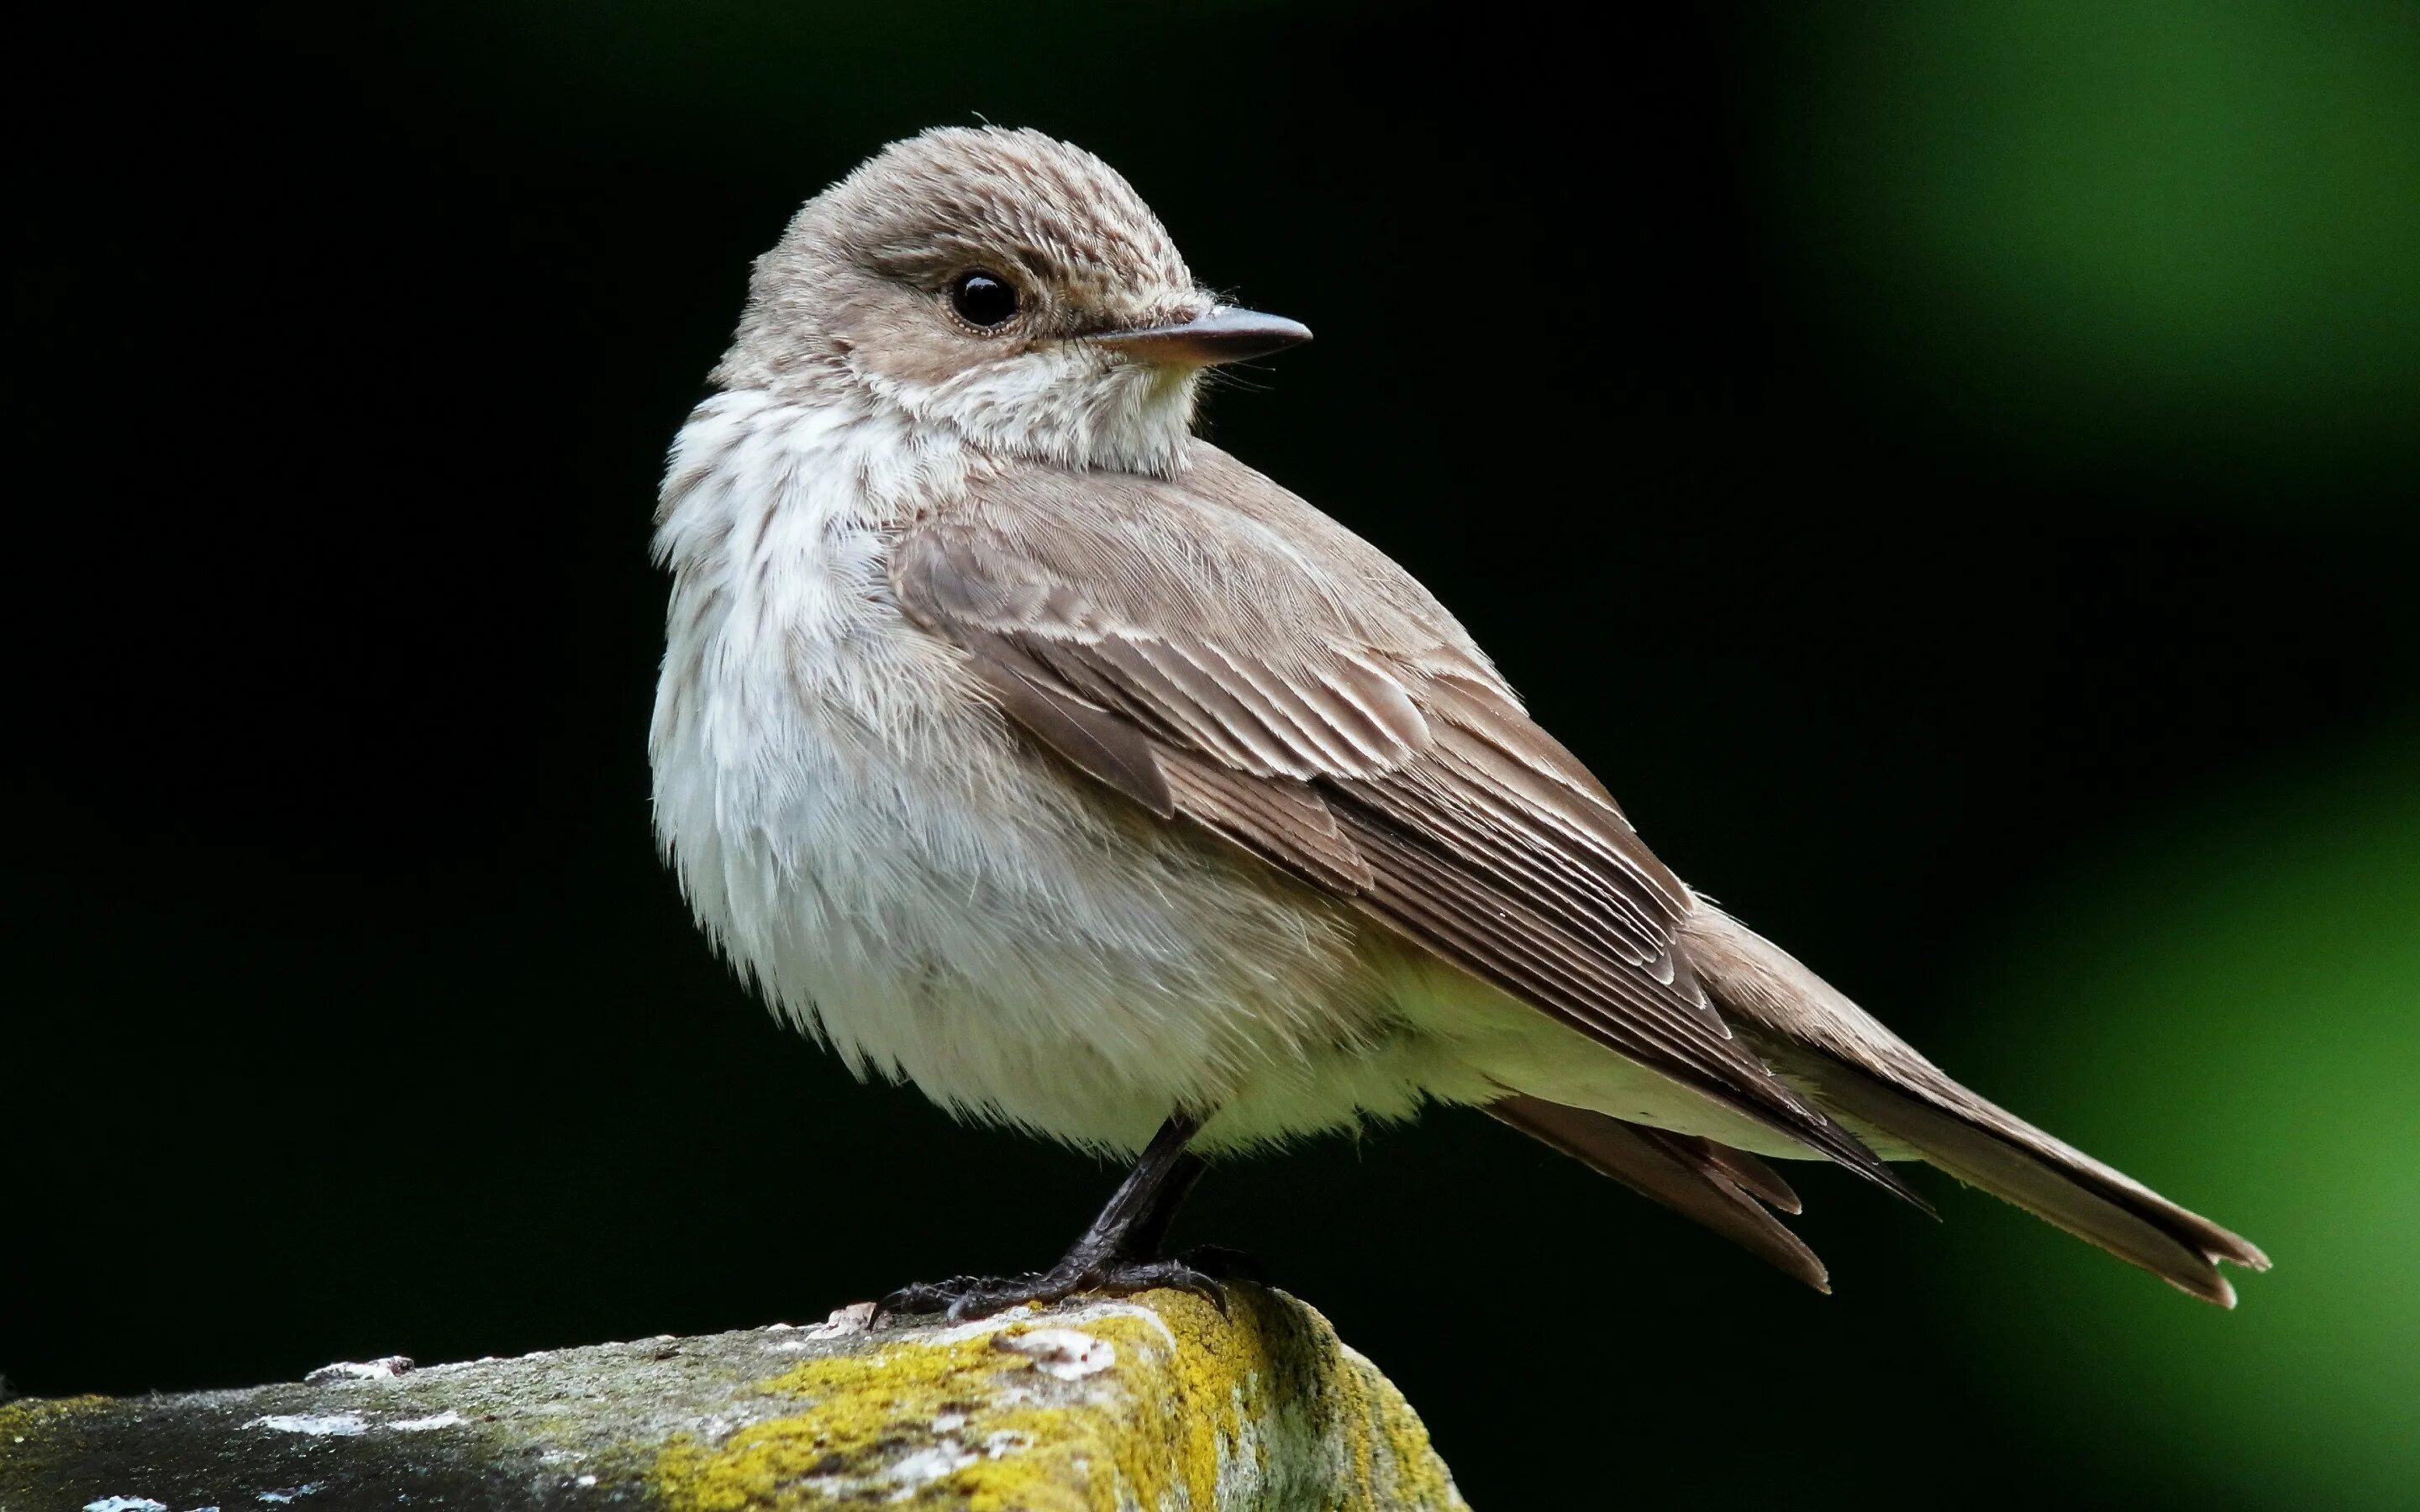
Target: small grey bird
{"points": [[1017, 743]]}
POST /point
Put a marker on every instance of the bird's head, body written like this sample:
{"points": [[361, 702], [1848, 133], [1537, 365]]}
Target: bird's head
{"points": [[1002, 285]]}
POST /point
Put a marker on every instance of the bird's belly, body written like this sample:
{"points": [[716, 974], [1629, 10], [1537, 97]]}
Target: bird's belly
{"points": [[872, 845]]}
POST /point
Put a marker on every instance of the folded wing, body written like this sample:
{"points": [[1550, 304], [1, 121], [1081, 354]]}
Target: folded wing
{"points": [[1228, 657]]}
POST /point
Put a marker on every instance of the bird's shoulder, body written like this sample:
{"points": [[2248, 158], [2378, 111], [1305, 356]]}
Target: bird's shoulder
{"points": [[1217, 552], [1220, 611]]}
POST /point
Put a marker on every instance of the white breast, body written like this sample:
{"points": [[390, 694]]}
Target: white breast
{"points": [[865, 839]]}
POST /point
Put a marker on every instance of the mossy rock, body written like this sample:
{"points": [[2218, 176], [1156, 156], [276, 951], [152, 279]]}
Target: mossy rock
{"points": [[1154, 1405]]}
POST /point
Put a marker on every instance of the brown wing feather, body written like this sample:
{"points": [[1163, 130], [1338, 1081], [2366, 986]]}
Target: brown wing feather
{"points": [[1100, 743], [1284, 822], [1300, 696], [1878, 1081], [1695, 1177]]}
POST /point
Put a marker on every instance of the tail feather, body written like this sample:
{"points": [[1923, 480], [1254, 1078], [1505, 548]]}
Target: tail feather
{"points": [[1747, 1172], [2021, 1164], [1712, 1183], [1882, 1090]]}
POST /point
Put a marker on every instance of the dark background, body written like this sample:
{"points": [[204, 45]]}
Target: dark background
{"points": [[1950, 468]]}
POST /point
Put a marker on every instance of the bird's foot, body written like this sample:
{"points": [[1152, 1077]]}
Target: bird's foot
{"points": [[1220, 1263], [1200, 1272]]}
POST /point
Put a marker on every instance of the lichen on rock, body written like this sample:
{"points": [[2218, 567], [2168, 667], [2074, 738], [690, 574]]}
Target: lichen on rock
{"points": [[1161, 1404]]}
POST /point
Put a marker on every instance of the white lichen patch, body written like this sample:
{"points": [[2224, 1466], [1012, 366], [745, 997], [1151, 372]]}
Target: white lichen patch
{"points": [[446, 1419], [385, 1368], [1063, 1353], [342, 1424], [125, 1504], [925, 1466]]}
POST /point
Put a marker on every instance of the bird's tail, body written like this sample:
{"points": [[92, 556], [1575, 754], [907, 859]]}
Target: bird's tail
{"points": [[1729, 1191], [1882, 1090]]}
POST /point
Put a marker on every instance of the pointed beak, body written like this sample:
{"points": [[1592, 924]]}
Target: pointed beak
{"points": [[1224, 336]]}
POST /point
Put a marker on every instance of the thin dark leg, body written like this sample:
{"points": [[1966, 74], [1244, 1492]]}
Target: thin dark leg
{"points": [[1150, 1235], [1135, 1218], [1118, 1254]]}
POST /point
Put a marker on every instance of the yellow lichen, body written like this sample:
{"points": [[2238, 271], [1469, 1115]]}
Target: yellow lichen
{"points": [[1420, 1476], [964, 1422], [22, 1419], [35, 1432]]}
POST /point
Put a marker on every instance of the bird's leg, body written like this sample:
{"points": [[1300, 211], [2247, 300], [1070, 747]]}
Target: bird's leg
{"points": [[1118, 1254], [1148, 1235], [1214, 1262]]}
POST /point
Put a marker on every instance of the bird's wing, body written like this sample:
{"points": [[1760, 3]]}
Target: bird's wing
{"points": [[1226, 655]]}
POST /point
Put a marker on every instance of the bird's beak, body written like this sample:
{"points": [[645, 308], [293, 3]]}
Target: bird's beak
{"points": [[1224, 336]]}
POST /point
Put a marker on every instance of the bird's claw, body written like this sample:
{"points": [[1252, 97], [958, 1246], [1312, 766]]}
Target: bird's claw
{"points": [[1220, 1263], [972, 1296]]}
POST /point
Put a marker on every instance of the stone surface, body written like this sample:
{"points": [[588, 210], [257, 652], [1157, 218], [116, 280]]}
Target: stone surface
{"points": [[1153, 1405]]}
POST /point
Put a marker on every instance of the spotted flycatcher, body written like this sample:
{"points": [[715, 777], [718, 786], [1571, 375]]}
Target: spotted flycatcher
{"points": [[1017, 743]]}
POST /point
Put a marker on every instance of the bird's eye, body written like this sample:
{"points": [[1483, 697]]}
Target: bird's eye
{"points": [[982, 298]]}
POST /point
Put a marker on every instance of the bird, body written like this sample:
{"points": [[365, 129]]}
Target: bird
{"points": [[1016, 742]]}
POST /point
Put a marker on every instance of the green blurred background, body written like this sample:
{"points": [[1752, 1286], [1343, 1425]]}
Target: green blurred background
{"points": [[1971, 449]]}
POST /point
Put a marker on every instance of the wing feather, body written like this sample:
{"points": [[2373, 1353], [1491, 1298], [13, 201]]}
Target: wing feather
{"points": [[1720, 1187], [1226, 655], [1284, 822]]}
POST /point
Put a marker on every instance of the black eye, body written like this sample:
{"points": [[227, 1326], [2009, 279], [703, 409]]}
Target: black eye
{"points": [[982, 298]]}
